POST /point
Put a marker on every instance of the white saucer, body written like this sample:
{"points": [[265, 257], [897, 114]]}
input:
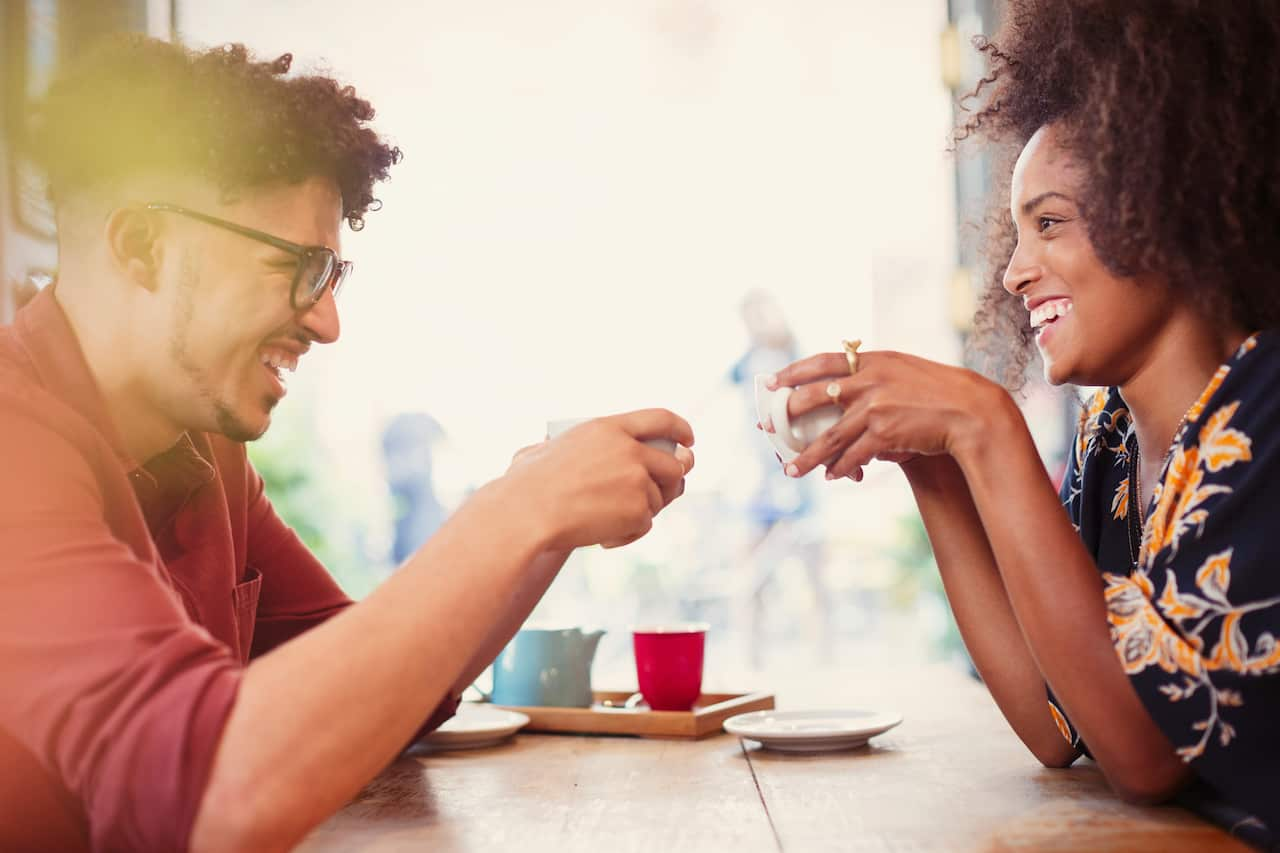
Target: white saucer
{"points": [[811, 731], [476, 726]]}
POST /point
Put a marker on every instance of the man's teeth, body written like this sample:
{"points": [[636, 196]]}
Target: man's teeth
{"points": [[1049, 311], [280, 361]]}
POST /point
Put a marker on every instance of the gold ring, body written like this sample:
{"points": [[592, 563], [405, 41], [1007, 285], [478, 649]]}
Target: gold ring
{"points": [[851, 353], [833, 391]]}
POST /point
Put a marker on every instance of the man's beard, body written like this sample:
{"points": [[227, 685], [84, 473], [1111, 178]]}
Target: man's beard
{"points": [[228, 423]]}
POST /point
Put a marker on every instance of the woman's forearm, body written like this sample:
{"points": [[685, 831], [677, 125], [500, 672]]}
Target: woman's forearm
{"points": [[1055, 591], [981, 607]]}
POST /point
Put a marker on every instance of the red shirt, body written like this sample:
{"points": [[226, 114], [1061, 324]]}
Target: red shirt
{"points": [[131, 599]]}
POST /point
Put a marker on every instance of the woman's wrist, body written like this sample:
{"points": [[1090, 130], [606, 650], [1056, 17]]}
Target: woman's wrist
{"points": [[932, 473], [991, 429]]}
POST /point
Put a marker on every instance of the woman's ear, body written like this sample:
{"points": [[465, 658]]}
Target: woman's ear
{"points": [[134, 245]]}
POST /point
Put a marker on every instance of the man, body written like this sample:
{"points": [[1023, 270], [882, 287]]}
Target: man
{"points": [[176, 669]]}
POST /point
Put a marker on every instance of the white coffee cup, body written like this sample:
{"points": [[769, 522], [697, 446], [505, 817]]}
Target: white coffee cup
{"points": [[790, 435], [559, 427]]}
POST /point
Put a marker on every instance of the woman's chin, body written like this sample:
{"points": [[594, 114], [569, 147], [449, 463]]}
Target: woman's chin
{"points": [[1056, 372]]}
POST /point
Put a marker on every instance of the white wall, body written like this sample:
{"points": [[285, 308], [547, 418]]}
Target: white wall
{"points": [[589, 188]]}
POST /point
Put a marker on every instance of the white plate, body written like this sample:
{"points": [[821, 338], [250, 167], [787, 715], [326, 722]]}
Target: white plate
{"points": [[811, 731], [476, 726]]}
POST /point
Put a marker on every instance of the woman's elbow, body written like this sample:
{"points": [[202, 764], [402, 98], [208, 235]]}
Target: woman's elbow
{"points": [[1149, 786], [1052, 750], [1057, 756]]}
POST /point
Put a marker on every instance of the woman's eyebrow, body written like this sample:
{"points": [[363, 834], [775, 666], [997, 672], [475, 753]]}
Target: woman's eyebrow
{"points": [[1033, 203]]}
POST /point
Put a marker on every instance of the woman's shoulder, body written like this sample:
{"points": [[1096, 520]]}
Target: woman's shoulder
{"points": [[1222, 477], [1241, 394]]}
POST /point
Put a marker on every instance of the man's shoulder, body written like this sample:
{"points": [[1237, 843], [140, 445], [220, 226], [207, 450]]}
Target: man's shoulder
{"points": [[31, 414]]}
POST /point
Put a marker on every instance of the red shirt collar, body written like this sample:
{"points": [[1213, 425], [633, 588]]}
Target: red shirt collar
{"points": [[45, 333]]}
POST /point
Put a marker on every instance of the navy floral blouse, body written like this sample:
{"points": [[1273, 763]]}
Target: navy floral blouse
{"points": [[1193, 594]]}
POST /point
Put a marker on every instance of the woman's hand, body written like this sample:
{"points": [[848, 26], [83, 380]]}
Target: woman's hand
{"points": [[897, 407]]}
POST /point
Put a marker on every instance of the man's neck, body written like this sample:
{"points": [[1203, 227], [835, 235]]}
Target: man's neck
{"points": [[100, 324]]}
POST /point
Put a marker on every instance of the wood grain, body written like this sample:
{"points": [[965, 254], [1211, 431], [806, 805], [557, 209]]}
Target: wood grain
{"points": [[560, 792], [952, 777]]}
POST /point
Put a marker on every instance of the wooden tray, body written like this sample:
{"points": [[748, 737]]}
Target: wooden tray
{"points": [[706, 718]]}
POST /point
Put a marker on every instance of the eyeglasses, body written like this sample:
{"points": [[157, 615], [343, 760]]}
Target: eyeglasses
{"points": [[318, 266]]}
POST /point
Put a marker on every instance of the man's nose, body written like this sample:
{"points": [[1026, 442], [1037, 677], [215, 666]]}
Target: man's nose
{"points": [[321, 320]]}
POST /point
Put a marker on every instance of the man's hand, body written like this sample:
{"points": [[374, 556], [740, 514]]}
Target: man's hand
{"points": [[599, 483]]}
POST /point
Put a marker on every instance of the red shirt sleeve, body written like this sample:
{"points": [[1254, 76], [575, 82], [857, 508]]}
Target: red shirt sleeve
{"points": [[298, 593], [106, 680]]}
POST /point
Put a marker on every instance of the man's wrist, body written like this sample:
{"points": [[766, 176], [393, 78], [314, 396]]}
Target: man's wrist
{"points": [[531, 518]]}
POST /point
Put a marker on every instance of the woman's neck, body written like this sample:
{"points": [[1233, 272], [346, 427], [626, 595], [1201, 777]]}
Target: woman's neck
{"points": [[1175, 368]]}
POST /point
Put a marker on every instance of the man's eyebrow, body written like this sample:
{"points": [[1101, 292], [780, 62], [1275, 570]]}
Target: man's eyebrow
{"points": [[1033, 203]]}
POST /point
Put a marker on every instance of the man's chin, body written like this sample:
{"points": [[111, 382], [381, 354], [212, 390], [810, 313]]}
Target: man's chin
{"points": [[244, 429]]}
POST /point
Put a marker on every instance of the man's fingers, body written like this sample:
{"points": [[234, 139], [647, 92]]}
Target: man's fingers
{"points": [[665, 468], [670, 493], [685, 457], [656, 423], [656, 499]]}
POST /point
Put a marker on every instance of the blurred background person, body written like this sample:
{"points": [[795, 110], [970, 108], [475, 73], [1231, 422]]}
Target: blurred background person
{"points": [[780, 510], [407, 445]]}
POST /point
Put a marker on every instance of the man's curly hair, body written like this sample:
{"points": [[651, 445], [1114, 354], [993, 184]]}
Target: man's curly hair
{"points": [[1172, 108], [137, 104]]}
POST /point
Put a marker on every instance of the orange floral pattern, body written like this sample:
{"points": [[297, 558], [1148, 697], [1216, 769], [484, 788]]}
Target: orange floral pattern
{"points": [[1195, 617]]}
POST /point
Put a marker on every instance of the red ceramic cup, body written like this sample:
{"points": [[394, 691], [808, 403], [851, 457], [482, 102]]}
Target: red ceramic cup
{"points": [[669, 664]]}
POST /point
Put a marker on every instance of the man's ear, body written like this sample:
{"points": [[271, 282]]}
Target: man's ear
{"points": [[134, 245]]}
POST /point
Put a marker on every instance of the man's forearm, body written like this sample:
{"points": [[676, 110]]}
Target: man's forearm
{"points": [[318, 717], [1055, 590], [981, 607], [533, 583]]}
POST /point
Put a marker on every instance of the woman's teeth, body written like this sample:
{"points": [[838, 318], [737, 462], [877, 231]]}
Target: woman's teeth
{"points": [[1047, 312]]}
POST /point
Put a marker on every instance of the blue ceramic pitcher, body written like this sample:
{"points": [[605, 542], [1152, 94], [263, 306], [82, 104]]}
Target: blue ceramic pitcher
{"points": [[546, 666]]}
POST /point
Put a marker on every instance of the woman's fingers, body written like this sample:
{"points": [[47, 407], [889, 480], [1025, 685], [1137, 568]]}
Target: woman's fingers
{"points": [[830, 445], [817, 395], [826, 365], [855, 457]]}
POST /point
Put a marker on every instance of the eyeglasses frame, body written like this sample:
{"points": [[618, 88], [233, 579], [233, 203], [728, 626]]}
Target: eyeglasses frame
{"points": [[339, 271]]}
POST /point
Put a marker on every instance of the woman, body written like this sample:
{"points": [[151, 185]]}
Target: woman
{"points": [[1145, 203]]}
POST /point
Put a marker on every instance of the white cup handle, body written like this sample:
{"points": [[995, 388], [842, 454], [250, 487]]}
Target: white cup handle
{"points": [[782, 421]]}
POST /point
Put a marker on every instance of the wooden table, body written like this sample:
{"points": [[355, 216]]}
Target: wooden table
{"points": [[952, 777]]}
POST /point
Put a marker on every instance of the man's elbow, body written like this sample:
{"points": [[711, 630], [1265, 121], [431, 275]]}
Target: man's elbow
{"points": [[228, 821]]}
